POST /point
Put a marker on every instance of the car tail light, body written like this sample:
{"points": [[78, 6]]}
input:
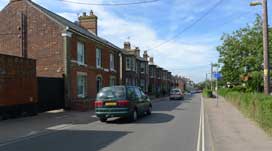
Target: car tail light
{"points": [[123, 103], [98, 103]]}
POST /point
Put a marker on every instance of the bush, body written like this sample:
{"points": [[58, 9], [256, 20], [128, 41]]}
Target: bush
{"points": [[256, 106], [207, 93]]}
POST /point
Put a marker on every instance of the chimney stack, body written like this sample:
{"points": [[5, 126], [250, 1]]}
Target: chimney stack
{"points": [[127, 45], [145, 55], [137, 51], [88, 22], [151, 60]]}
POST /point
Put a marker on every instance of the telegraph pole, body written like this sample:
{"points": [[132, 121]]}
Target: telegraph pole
{"points": [[265, 46], [211, 77], [266, 51]]}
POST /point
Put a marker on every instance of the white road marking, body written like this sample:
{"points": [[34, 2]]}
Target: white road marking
{"points": [[199, 131], [201, 128]]}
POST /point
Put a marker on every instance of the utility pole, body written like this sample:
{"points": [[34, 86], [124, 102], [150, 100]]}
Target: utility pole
{"points": [[265, 45], [216, 89], [212, 76], [206, 84], [266, 51]]}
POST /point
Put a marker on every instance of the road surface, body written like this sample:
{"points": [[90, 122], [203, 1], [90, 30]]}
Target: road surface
{"points": [[173, 126]]}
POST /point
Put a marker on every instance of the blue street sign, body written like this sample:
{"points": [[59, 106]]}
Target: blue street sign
{"points": [[217, 75]]}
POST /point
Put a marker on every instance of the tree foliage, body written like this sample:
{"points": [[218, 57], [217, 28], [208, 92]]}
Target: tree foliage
{"points": [[241, 54]]}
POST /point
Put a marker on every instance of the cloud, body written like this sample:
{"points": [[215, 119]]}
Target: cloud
{"points": [[3, 3], [190, 58]]}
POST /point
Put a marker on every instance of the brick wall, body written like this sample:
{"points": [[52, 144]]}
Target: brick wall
{"points": [[90, 69], [44, 41], [18, 83]]}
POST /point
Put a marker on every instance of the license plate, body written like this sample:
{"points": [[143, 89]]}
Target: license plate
{"points": [[111, 104]]}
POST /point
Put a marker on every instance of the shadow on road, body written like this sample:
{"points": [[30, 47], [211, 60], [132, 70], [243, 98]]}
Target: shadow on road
{"points": [[154, 118], [68, 140], [166, 106]]}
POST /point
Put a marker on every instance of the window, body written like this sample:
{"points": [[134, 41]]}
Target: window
{"points": [[133, 64], [138, 93], [111, 62], [80, 53], [142, 67], [127, 81], [112, 81], [116, 92], [128, 63], [131, 94], [98, 58], [98, 83], [142, 83], [81, 85]]}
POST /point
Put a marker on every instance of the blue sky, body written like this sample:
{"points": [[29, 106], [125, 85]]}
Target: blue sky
{"points": [[149, 25]]}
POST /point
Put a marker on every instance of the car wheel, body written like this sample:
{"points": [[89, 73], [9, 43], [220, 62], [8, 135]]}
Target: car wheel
{"points": [[103, 119], [149, 111]]}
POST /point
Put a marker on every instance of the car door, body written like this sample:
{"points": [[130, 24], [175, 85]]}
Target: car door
{"points": [[146, 101], [132, 97], [141, 107]]}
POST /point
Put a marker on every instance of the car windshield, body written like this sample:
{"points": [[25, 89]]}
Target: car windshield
{"points": [[175, 91], [112, 93]]}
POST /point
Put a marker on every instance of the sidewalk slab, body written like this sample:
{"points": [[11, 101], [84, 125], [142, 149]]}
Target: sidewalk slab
{"points": [[232, 131], [29, 126]]}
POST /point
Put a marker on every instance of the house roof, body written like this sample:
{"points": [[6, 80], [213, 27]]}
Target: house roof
{"points": [[65, 22]]}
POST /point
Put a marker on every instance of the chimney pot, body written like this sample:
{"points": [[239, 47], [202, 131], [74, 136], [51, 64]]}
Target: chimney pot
{"points": [[127, 45], [89, 22], [145, 56]]}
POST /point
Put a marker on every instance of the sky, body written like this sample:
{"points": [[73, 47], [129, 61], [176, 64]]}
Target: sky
{"points": [[148, 26]]}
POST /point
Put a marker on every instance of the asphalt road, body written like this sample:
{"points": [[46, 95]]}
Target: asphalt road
{"points": [[173, 126]]}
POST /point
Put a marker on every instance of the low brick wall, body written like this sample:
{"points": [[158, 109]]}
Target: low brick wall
{"points": [[18, 83]]}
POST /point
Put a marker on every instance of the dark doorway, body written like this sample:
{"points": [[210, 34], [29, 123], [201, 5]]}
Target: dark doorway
{"points": [[50, 93]]}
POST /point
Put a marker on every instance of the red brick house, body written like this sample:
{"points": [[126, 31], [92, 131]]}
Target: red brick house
{"points": [[70, 52]]}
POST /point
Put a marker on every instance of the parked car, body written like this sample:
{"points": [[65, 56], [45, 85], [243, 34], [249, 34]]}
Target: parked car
{"points": [[176, 94], [122, 101]]}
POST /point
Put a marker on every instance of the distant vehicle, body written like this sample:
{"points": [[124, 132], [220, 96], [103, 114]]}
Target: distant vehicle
{"points": [[199, 91], [122, 101], [176, 94]]}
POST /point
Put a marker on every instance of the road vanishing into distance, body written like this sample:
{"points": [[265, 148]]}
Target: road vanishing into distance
{"points": [[173, 126]]}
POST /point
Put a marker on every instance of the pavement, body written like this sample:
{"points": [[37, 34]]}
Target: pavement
{"points": [[229, 130], [173, 126]]}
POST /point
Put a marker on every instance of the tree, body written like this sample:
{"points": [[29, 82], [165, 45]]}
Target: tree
{"points": [[241, 54]]}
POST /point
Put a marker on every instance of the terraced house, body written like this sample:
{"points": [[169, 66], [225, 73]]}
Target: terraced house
{"points": [[73, 62], [135, 68]]}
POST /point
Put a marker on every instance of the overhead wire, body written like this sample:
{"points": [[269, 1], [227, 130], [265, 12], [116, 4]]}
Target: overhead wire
{"points": [[191, 25], [112, 4]]}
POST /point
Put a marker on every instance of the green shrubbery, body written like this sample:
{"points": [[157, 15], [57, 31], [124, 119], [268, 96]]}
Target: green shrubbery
{"points": [[207, 93], [256, 106]]}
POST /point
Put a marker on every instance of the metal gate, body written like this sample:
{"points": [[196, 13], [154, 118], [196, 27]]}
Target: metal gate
{"points": [[50, 93]]}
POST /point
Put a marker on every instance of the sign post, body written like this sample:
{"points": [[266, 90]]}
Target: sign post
{"points": [[217, 76]]}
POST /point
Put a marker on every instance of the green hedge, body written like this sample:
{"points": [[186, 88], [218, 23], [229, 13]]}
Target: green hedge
{"points": [[254, 105], [207, 93]]}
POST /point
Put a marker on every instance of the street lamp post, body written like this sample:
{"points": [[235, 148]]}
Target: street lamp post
{"points": [[265, 45]]}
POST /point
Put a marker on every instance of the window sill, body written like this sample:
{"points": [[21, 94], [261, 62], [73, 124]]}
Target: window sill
{"points": [[112, 70], [81, 97], [100, 68], [82, 64]]}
